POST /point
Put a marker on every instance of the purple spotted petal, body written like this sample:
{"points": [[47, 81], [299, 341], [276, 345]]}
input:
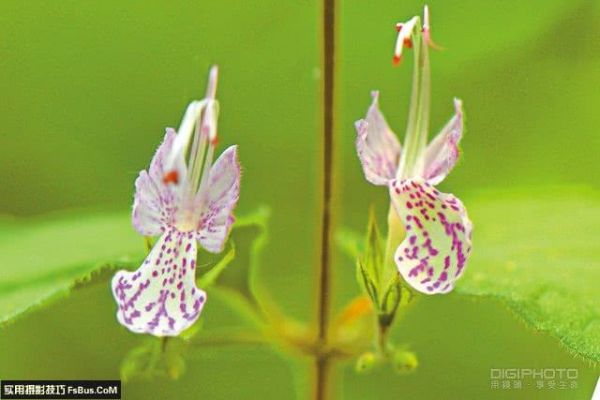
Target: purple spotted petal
{"points": [[442, 153], [438, 236], [218, 201], [154, 202], [377, 146], [161, 297]]}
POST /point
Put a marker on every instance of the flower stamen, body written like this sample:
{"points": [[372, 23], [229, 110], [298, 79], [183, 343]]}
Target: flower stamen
{"points": [[426, 30], [205, 140], [405, 31], [199, 122]]}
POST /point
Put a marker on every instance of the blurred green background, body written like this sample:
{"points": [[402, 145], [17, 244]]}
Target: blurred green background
{"points": [[88, 88]]}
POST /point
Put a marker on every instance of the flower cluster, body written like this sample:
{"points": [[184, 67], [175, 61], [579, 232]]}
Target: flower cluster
{"points": [[187, 200]]}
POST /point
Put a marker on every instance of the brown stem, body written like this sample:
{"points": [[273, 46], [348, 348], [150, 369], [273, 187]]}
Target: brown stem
{"points": [[322, 361], [382, 338], [230, 338], [324, 267], [323, 366]]}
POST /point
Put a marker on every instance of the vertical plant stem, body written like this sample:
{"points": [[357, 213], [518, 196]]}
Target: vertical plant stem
{"points": [[382, 339], [326, 216], [322, 360]]}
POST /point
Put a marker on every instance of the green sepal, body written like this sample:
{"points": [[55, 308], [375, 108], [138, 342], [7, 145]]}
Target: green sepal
{"points": [[389, 304], [373, 257], [370, 263], [155, 358], [209, 278], [366, 281]]}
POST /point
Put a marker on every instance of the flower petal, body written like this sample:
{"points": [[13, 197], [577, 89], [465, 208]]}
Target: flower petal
{"points": [[218, 200], [377, 146], [442, 153], [438, 236], [154, 201], [161, 297]]}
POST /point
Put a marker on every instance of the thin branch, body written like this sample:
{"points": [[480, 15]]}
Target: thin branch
{"points": [[229, 338]]}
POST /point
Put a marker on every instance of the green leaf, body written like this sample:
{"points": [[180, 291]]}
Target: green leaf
{"points": [[537, 251], [45, 258]]}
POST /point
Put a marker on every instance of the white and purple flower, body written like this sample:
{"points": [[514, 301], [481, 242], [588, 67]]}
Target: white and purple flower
{"points": [[437, 240], [185, 199]]}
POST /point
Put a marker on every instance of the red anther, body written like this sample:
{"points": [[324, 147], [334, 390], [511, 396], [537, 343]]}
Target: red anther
{"points": [[396, 60], [214, 141], [408, 43], [171, 177], [398, 27]]}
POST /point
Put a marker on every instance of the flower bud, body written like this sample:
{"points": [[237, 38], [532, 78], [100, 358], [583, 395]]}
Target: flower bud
{"points": [[404, 361], [365, 362]]}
